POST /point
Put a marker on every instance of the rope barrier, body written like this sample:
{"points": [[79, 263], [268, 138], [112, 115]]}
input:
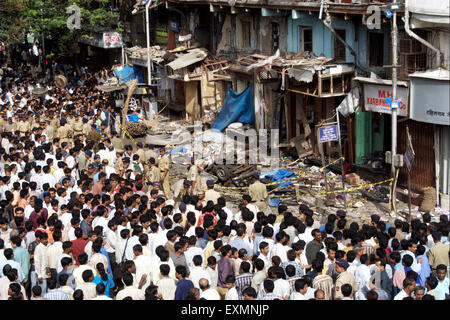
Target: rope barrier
{"points": [[124, 130], [340, 191]]}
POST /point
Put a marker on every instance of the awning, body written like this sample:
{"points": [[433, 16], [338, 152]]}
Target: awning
{"points": [[430, 97], [436, 74], [191, 57], [111, 88]]}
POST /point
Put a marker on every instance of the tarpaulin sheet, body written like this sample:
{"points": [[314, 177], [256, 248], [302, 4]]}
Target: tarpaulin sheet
{"points": [[238, 107], [129, 73], [281, 175]]}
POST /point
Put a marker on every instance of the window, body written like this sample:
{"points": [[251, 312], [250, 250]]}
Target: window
{"points": [[275, 37], [339, 47], [246, 34], [376, 49], [307, 39], [412, 54]]}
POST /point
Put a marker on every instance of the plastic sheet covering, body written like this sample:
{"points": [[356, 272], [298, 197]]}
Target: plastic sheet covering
{"points": [[129, 73], [280, 175], [238, 107]]}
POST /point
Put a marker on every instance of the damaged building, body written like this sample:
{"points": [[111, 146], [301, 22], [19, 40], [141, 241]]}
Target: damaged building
{"points": [[304, 61]]}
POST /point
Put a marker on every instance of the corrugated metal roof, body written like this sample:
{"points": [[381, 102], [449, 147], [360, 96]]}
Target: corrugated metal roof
{"points": [[380, 81], [436, 74]]}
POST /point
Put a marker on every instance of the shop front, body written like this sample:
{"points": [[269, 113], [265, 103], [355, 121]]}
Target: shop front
{"points": [[430, 107]]}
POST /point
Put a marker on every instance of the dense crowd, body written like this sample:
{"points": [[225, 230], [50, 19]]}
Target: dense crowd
{"points": [[85, 217]]}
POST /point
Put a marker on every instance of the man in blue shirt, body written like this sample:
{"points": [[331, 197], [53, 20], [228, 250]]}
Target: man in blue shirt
{"points": [[184, 285], [9, 255], [21, 256], [442, 287], [239, 242]]}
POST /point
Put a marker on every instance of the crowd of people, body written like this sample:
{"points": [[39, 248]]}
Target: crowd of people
{"points": [[85, 217]]}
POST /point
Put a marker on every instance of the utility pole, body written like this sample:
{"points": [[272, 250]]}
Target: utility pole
{"points": [[394, 99], [147, 31]]}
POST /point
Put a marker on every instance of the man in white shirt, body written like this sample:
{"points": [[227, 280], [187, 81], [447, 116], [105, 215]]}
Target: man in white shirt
{"points": [[408, 287], [362, 274], [156, 238], [264, 251], [87, 286], [47, 177], [198, 272], [192, 251], [232, 293], [100, 289], [281, 286], [78, 272], [278, 248], [130, 290], [301, 288], [40, 261], [412, 247], [143, 267], [206, 291]]}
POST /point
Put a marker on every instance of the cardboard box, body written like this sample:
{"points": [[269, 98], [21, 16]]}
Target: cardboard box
{"points": [[352, 178]]}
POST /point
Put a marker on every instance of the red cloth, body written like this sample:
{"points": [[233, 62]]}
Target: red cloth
{"points": [[78, 248], [202, 218]]}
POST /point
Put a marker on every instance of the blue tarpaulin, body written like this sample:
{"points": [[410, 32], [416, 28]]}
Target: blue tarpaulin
{"points": [[133, 117], [281, 175], [129, 73], [238, 107]]}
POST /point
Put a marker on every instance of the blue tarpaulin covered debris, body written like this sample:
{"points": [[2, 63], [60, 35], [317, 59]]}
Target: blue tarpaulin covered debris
{"points": [[129, 73], [281, 175], [177, 150], [238, 107]]}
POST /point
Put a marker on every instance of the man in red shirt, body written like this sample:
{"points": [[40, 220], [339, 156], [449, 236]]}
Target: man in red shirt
{"points": [[208, 210], [78, 245]]}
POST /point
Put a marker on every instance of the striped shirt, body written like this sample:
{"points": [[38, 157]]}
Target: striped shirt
{"points": [[243, 281], [56, 294], [292, 282], [325, 283]]}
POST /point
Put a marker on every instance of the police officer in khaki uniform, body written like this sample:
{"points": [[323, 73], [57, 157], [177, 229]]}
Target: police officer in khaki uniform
{"points": [[140, 152], [154, 174], [150, 153], [86, 127], [118, 143], [10, 126], [105, 130], [49, 131], [194, 176], [257, 191], [118, 165], [164, 166], [2, 122], [23, 126], [211, 194], [54, 122], [77, 125], [35, 122], [64, 132]]}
